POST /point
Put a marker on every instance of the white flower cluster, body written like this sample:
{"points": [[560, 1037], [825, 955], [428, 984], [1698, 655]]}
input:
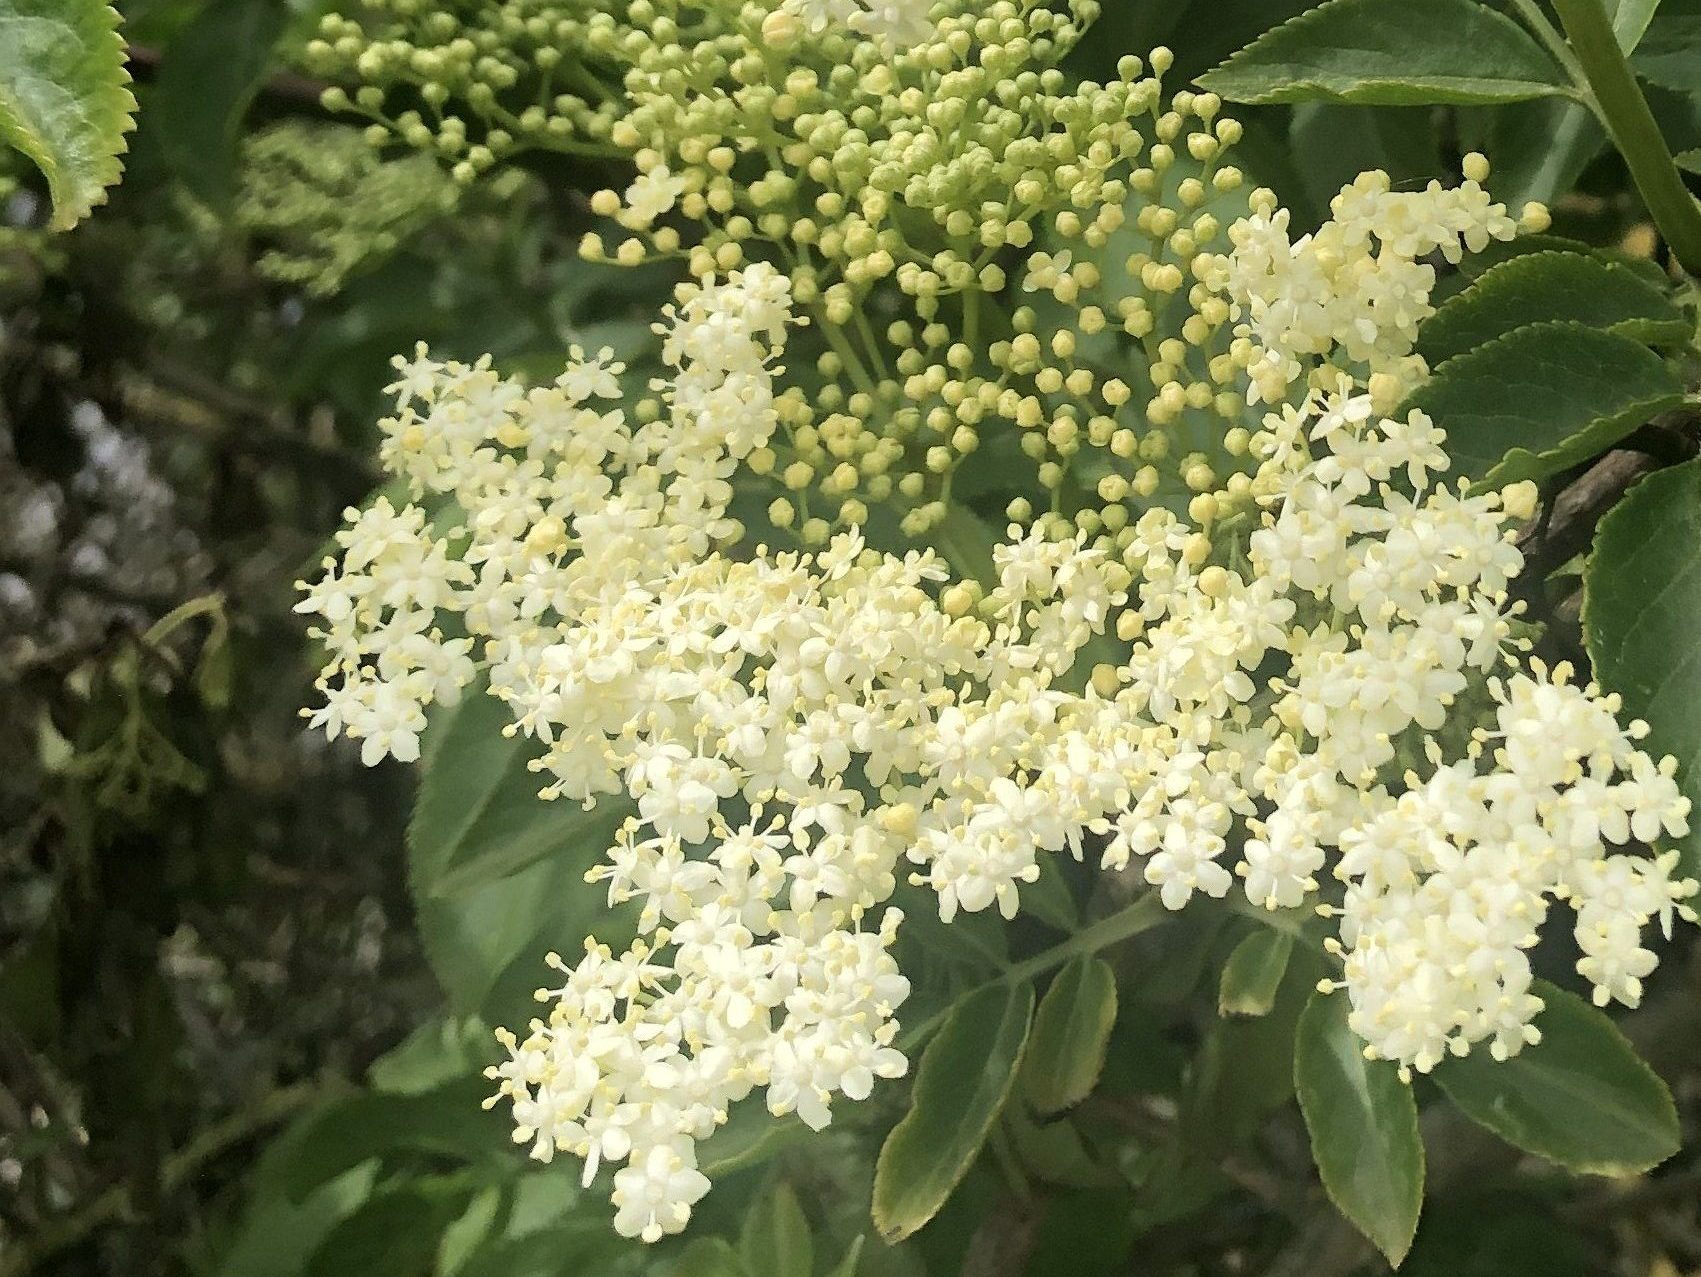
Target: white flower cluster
{"points": [[1357, 287], [792, 728], [899, 23], [1447, 876]]}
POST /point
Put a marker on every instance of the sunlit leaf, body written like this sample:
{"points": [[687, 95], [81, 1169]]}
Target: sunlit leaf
{"points": [[1363, 1125], [1390, 53], [963, 1079], [65, 99]]}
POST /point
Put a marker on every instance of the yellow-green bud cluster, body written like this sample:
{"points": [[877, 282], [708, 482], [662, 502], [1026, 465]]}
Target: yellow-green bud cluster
{"points": [[474, 82], [910, 193]]}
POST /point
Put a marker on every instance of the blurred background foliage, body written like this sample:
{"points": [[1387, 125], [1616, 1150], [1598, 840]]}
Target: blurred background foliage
{"points": [[242, 1013]]}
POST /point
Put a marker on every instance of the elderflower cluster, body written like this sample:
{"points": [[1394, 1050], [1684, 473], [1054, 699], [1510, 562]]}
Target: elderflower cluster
{"points": [[791, 728], [1447, 865], [1357, 288], [1307, 670]]}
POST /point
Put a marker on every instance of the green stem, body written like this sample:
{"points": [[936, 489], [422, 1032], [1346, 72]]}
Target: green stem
{"points": [[1536, 20], [845, 351], [871, 343], [1126, 923], [1289, 922], [1625, 113], [971, 318], [203, 605]]}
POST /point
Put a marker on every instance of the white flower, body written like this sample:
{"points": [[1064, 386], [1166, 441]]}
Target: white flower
{"points": [[654, 1197], [652, 194]]}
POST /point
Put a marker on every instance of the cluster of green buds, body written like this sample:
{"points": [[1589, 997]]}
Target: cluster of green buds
{"points": [[981, 242], [474, 82], [324, 205]]}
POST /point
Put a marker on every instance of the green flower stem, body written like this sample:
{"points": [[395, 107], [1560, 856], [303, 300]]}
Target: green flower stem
{"points": [[1126, 923], [1536, 20], [845, 351], [1625, 113]]}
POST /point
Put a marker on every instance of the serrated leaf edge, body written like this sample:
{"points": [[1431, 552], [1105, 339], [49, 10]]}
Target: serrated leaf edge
{"points": [[1329, 95], [112, 110], [895, 1233], [1634, 328], [1650, 407]]}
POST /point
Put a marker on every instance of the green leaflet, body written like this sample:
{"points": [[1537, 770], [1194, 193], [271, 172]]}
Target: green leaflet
{"points": [[1581, 1097], [1542, 398], [1253, 973], [396, 1230], [1669, 53], [1363, 1125], [1630, 19], [776, 1239], [1405, 53], [1071, 1033], [65, 99], [1550, 287], [962, 1082], [210, 74], [496, 873], [1642, 620]]}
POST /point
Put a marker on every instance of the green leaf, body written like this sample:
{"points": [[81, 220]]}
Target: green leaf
{"points": [[1253, 973], [1071, 1033], [65, 99], [1542, 398], [476, 1226], [445, 1122], [1049, 899], [846, 1267], [1476, 265], [1244, 1069], [962, 1082], [1670, 52], [1363, 1125], [775, 1240], [750, 1137], [577, 1246], [1332, 144], [1055, 1151], [277, 1235], [1540, 148], [1630, 19], [442, 1050], [493, 866], [395, 1232], [1581, 1096], [1390, 53], [1642, 620], [1551, 287], [478, 818], [708, 1257], [208, 77]]}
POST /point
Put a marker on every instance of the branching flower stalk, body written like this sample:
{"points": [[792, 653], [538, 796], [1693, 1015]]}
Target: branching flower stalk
{"points": [[1254, 632]]}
